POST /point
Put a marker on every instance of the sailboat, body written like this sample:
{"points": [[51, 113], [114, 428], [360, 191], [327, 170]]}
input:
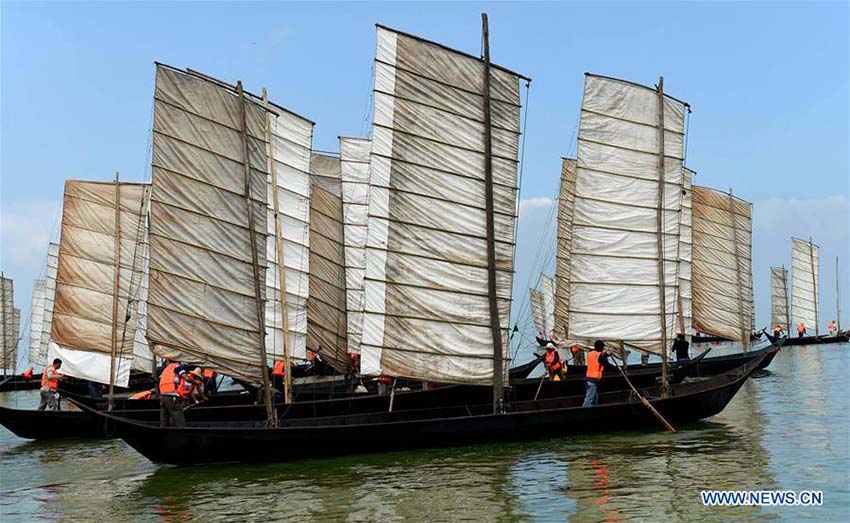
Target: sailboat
{"points": [[10, 335]]}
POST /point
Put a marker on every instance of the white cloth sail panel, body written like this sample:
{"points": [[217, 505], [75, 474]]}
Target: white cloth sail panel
{"points": [[721, 268], [326, 310], [202, 301], [547, 288], [537, 312], [779, 297], [614, 256], [9, 336], [566, 202], [49, 300], [684, 306], [83, 302], [292, 139], [36, 322], [354, 167], [427, 313], [805, 261], [142, 355]]}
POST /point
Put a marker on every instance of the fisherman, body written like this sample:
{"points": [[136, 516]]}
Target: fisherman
{"points": [[597, 362], [278, 374], [384, 385], [189, 388], [578, 354], [50, 386], [170, 407], [801, 330], [833, 328], [27, 375], [680, 348], [552, 362], [777, 331], [353, 370]]}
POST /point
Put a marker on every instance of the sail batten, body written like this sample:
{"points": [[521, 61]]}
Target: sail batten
{"points": [[805, 261], [426, 306]]}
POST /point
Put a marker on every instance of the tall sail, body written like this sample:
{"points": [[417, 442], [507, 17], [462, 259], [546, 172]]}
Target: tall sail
{"points": [[779, 298], [354, 167], [36, 323], [538, 310], [143, 359], [684, 302], [9, 336], [98, 218], [566, 202], [427, 300], [805, 261], [205, 288], [615, 260], [49, 300], [547, 288], [722, 266], [326, 310]]}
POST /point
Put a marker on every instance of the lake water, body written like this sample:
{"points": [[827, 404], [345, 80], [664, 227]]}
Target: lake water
{"points": [[787, 429]]}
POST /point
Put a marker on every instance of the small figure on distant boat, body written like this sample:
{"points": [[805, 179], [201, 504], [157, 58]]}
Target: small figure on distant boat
{"points": [[170, 407], [777, 331], [833, 328], [541, 339], [680, 348], [597, 362], [552, 362], [27, 375], [644, 358], [578, 355], [801, 330], [50, 385], [278, 375]]}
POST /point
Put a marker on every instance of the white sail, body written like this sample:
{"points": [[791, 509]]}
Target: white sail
{"points": [[49, 300], [547, 288], [427, 313], [566, 202], [326, 310], [82, 328], [722, 265], [684, 304], [203, 302], [36, 323], [9, 336], [805, 262], [291, 139], [537, 311], [354, 158], [614, 258], [779, 297], [142, 355]]}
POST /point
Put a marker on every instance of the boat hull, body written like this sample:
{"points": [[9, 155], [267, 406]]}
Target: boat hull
{"points": [[813, 340]]}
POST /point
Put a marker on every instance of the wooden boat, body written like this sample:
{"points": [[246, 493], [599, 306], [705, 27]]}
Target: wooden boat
{"points": [[427, 428], [18, 382], [719, 339], [812, 340]]}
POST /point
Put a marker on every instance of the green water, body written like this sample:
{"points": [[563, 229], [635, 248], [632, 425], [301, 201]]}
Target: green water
{"points": [[787, 429]]}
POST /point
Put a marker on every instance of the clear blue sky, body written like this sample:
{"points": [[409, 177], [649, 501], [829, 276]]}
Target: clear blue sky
{"points": [[768, 84]]}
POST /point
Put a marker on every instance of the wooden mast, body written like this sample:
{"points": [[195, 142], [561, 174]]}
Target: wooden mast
{"points": [[837, 297], [742, 324], [659, 214], [814, 283], [5, 325], [278, 233], [787, 300], [249, 206], [115, 288], [495, 328]]}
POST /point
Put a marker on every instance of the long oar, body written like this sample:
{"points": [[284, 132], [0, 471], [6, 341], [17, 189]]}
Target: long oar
{"points": [[646, 402], [540, 386]]}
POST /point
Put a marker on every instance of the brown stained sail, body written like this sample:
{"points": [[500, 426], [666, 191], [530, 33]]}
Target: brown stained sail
{"points": [[684, 303], [537, 310], [9, 335], [326, 310], [721, 268], [49, 300], [203, 298], [82, 327], [427, 300], [779, 298], [566, 201]]}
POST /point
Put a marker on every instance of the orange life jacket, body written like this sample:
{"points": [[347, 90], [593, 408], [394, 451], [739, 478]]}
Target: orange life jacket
{"points": [[186, 385], [144, 395], [53, 384], [279, 368], [208, 373], [166, 380], [832, 326], [553, 360], [575, 349], [801, 329], [385, 379], [27, 374], [311, 355], [594, 369]]}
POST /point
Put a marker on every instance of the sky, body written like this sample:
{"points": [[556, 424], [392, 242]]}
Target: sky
{"points": [[767, 82]]}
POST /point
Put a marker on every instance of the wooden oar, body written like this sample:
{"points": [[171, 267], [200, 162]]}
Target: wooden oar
{"points": [[645, 401], [540, 386]]}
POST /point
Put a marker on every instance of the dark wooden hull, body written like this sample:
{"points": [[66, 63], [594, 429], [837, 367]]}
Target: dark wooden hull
{"points": [[47, 425], [427, 428], [720, 339], [18, 382], [812, 340]]}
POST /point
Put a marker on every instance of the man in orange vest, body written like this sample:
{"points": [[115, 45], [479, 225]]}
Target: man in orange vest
{"points": [[597, 362], [833, 328], [552, 362], [170, 407], [50, 386], [801, 330]]}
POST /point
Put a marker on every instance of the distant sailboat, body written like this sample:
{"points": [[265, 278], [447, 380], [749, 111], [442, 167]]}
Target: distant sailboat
{"points": [[11, 323]]}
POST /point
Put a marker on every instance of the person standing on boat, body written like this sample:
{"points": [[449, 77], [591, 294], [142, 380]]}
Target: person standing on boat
{"points": [[597, 362], [680, 348], [552, 362], [801, 330], [50, 386], [833, 328], [170, 407], [777, 331], [189, 387]]}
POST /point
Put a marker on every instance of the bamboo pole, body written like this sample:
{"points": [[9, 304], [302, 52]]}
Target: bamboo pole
{"points": [[278, 233], [743, 324], [115, 288], [837, 297], [787, 301], [249, 206], [662, 298], [5, 324], [814, 284], [496, 331]]}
